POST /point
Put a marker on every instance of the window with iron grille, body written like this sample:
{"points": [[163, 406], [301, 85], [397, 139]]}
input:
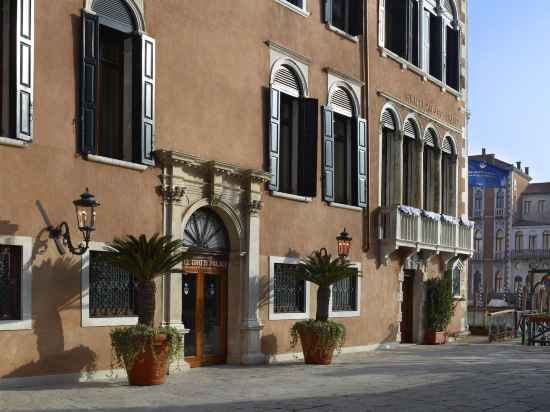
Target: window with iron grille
{"points": [[289, 291], [10, 282], [344, 294], [111, 289]]}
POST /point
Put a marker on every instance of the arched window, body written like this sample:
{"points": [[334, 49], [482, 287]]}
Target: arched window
{"points": [[477, 282], [499, 282], [292, 133], [345, 150], [410, 185], [16, 86], [430, 171], [478, 202], [118, 84], [390, 153], [519, 241], [478, 238], [402, 34], [499, 243], [532, 241], [456, 272], [448, 177]]}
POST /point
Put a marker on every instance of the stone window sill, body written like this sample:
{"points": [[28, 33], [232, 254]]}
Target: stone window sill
{"points": [[425, 76], [120, 321], [8, 141], [342, 33], [116, 162], [297, 198], [301, 11], [16, 325], [343, 206]]}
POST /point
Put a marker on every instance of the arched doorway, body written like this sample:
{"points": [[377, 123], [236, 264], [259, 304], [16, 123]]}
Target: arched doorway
{"points": [[204, 294]]}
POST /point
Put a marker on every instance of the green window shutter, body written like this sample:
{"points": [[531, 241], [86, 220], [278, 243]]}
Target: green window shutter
{"points": [[24, 50], [362, 163], [88, 83], [309, 109], [328, 11], [328, 154], [147, 113], [274, 137]]}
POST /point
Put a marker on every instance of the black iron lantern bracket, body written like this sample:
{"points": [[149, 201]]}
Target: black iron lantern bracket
{"points": [[85, 215]]}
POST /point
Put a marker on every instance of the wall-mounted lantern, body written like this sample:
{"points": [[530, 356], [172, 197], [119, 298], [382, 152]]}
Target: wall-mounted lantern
{"points": [[344, 244], [85, 217]]}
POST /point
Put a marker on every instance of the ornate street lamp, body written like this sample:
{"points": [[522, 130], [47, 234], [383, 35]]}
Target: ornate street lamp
{"points": [[85, 217], [344, 244]]}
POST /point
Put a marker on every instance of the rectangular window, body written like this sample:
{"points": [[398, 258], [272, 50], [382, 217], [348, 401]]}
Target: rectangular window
{"points": [[429, 179], [343, 160], [532, 242], [10, 282], [297, 3], [111, 289], [453, 59], [541, 205], [414, 38], [409, 171], [115, 123], [519, 241], [289, 295], [289, 145], [546, 241], [396, 27], [436, 47], [15, 283], [289, 290], [526, 208], [344, 294], [345, 15]]}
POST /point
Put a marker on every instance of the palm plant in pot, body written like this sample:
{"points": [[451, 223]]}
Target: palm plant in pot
{"points": [[145, 350], [439, 309], [320, 337]]}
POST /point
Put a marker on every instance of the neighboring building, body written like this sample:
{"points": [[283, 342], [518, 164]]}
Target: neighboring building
{"points": [[497, 190], [253, 115]]}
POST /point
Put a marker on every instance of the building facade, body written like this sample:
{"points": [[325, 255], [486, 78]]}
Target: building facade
{"points": [[255, 132], [497, 190]]}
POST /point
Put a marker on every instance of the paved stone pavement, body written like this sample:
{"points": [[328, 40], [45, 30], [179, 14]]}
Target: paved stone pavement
{"points": [[457, 377]]}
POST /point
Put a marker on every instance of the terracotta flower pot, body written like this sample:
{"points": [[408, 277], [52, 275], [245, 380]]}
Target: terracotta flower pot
{"points": [[435, 338], [151, 368], [314, 352]]}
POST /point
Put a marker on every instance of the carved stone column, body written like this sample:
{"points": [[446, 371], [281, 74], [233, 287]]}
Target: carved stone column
{"points": [[251, 326]]}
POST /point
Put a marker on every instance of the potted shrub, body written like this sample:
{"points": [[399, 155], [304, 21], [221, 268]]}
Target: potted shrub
{"points": [[439, 309], [320, 337], [145, 350]]}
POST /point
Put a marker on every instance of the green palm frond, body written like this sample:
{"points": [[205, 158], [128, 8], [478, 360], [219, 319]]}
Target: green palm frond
{"points": [[145, 257], [320, 268]]}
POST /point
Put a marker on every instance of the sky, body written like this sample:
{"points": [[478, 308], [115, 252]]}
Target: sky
{"points": [[509, 77]]}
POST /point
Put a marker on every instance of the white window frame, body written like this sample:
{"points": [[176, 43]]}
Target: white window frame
{"points": [[458, 265], [25, 323], [300, 10], [307, 299], [87, 320], [349, 313]]}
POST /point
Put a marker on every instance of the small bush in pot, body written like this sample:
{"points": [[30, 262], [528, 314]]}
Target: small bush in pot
{"points": [[145, 350], [321, 337], [439, 309]]}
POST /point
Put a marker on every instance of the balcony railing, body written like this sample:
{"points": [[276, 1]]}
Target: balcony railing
{"points": [[403, 226], [531, 254]]}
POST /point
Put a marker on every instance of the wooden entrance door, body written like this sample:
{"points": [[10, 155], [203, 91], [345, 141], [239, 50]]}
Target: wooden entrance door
{"points": [[407, 309], [204, 310]]}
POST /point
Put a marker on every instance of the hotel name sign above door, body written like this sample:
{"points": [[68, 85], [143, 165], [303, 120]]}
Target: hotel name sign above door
{"points": [[432, 109], [206, 262]]}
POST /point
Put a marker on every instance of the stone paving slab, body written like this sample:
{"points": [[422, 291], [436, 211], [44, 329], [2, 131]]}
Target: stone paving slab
{"points": [[457, 377]]}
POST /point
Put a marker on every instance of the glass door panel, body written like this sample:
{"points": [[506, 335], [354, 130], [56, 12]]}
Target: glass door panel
{"points": [[212, 338], [189, 311]]}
